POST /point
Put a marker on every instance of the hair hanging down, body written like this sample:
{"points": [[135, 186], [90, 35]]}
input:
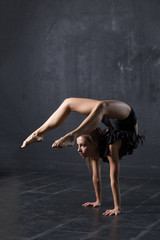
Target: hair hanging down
{"points": [[94, 136]]}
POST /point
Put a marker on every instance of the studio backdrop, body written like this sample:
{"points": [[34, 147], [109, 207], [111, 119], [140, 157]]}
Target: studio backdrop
{"points": [[55, 49]]}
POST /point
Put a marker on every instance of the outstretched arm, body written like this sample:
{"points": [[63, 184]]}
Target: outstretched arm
{"points": [[96, 179], [114, 178]]}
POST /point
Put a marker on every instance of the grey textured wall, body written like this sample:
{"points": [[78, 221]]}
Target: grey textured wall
{"points": [[54, 49]]}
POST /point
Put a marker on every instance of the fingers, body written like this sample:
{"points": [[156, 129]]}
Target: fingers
{"points": [[87, 204], [91, 204], [107, 212], [116, 213], [111, 212], [95, 205]]}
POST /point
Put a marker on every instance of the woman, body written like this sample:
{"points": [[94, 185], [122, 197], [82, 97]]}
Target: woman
{"points": [[90, 148], [119, 139]]}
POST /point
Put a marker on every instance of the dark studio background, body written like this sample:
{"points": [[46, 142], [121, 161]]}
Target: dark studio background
{"points": [[54, 49]]}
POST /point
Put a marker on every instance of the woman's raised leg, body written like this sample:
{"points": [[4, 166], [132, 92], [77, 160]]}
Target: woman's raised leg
{"points": [[80, 105], [111, 108], [90, 123]]}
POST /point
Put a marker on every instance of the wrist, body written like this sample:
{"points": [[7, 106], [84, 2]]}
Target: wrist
{"points": [[98, 201], [117, 208]]}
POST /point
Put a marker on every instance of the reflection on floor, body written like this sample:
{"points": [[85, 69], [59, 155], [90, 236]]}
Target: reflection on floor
{"points": [[47, 206]]}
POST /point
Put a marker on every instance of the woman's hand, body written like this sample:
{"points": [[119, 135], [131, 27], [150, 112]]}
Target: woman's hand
{"points": [[111, 212], [91, 204]]}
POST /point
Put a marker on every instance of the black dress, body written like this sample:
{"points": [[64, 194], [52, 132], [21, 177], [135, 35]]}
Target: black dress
{"points": [[123, 130]]}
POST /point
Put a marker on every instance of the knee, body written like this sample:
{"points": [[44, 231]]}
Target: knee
{"points": [[101, 106], [67, 102]]}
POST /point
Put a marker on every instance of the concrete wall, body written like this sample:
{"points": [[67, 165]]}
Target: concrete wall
{"points": [[54, 49]]}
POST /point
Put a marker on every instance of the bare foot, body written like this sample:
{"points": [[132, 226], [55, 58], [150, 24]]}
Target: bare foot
{"points": [[67, 140], [34, 137]]}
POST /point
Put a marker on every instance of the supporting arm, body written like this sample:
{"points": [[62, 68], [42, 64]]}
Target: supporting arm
{"points": [[96, 179], [114, 178]]}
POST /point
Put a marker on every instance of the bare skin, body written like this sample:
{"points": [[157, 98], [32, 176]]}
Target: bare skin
{"points": [[87, 149], [93, 109], [114, 178], [96, 179]]}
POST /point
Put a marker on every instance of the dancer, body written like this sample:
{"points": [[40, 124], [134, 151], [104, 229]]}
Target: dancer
{"points": [[119, 139], [90, 147]]}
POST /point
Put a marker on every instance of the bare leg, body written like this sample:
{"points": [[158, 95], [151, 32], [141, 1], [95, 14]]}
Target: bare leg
{"points": [[93, 108], [83, 106], [110, 108]]}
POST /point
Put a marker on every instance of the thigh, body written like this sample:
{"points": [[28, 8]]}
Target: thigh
{"points": [[116, 109], [82, 105]]}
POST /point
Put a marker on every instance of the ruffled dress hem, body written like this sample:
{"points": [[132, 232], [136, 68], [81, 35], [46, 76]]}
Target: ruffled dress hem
{"points": [[129, 142]]}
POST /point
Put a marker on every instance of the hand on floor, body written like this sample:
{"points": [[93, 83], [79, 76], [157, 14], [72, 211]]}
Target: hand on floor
{"points": [[91, 204], [111, 212]]}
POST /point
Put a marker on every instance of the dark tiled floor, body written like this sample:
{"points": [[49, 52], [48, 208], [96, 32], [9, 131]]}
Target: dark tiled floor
{"points": [[46, 206]]}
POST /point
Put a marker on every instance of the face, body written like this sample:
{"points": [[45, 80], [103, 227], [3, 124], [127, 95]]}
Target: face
{"points": [[85, 148]]}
